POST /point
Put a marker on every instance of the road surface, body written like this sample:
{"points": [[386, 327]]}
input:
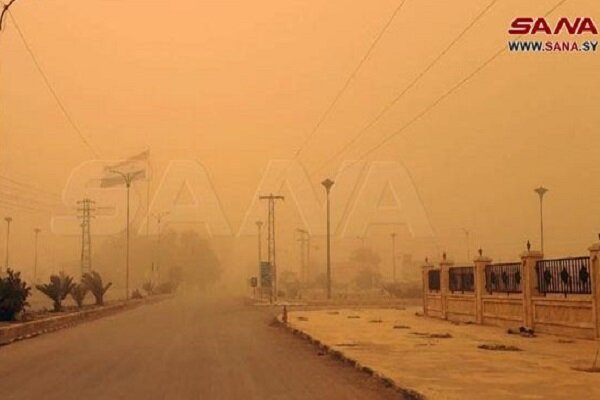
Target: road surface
{"points": [[179, 349]]}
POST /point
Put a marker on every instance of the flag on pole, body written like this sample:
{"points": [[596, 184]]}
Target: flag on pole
{"points": [[136, 167]]}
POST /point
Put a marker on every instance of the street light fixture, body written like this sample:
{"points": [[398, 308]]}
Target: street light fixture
{"points": [[127, 179], [393, 235], [327, 184], [159, 216], [8, 221], [35, 257], [541, 191]]}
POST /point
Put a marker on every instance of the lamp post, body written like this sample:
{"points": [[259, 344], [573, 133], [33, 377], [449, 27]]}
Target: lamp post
{"points": [[259, 225], [35, 256], [327, 184], [8, 221], [127, 179], [466, 231], [159, 217], [541, 191], [393, 235]]}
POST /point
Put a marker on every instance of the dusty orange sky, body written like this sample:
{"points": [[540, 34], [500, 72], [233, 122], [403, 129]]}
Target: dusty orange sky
{"points": [[234, 84]]}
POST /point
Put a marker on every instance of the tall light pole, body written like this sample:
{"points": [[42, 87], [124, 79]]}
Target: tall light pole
{"points": [[393, 235], [304, 253], [8, 221], [327, 184], [159, 217], [127, 178], [541, 191], [466, 231], [35, 257], [259, 225]]}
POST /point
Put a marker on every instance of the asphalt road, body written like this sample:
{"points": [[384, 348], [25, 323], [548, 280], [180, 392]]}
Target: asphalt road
{"points": [[179, 349]]}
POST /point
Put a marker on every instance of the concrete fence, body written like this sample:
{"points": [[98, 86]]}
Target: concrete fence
{"points": [[559, 296]]}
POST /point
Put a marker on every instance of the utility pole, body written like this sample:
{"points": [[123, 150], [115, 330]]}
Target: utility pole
{"points": [[393, 235], [127, 179], [327, 184], [8, 221], [304, 254], [35, 257], [159, 217], [271, 199], [86, 236], [541, 191]]}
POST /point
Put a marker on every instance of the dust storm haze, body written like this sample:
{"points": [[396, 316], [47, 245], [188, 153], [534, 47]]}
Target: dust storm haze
{"points": [[435, 134], [234, 85]]}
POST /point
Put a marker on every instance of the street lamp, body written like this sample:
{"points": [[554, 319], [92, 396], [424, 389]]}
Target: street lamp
{"points": [[259, 225], [159, 217], [466, 231], [304, 253], [541, 191], [393, 235], [35, 257], [8, 221], [327, 184], [127, 178]]}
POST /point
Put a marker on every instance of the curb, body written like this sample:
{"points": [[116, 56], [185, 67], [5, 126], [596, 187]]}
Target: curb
{"points": [[408, 394], [20, 331]]}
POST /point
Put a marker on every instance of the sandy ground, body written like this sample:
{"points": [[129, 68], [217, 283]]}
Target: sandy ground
{"points": [[180, 349], [398, 344]]}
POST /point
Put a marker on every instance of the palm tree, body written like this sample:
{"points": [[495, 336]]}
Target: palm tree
{"points": [[58, 289], [93, 281], [78, 294]]}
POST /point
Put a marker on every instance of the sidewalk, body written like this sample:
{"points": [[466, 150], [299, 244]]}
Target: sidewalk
{"points": [[442, 360]]}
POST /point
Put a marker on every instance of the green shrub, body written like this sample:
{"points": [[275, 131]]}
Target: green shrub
{"points": [[13, 295], [78, 294], [58, 289], [93, 281]]}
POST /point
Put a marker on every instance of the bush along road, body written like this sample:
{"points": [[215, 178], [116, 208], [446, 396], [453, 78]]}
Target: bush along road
{"points": [[16, 323]]}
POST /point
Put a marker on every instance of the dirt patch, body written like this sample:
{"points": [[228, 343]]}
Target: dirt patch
{"points": [[498, 347], [301, 318], [565, 341], [432, 335], [591, 369]]}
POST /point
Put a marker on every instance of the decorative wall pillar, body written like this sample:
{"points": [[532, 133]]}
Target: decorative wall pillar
{"points": [[445, 265], [425, 277], [529, 283], [480, 263], [595, 276]]}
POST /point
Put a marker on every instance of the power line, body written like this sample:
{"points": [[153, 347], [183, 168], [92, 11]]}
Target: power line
{"points": [[350, 78], [26, 187], [407, 88], [5, 9], [51, 88], [438, 100], [343, 89]]}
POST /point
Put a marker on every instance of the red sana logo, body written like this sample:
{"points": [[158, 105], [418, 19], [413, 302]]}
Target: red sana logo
{"points": [[532, 26]]}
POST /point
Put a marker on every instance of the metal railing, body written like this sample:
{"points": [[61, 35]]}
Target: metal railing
{"points": [[565, 275], [461, 279], [433, 279], [504, 278]]}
